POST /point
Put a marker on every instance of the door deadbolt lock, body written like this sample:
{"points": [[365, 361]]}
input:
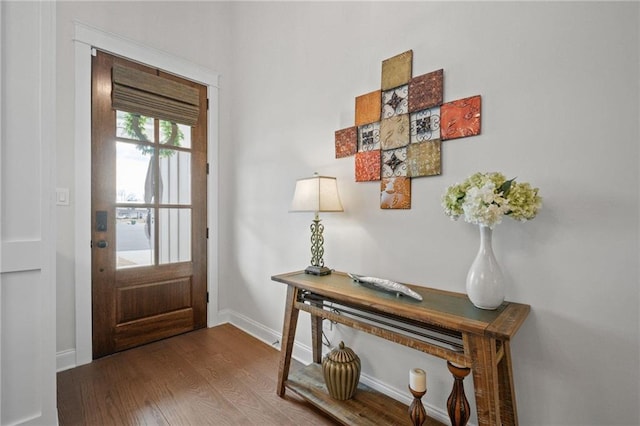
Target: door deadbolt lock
{"points": [[102, 244], [101, 221]]}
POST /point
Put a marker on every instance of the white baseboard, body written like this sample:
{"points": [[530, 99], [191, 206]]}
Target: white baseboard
{"points": [[65, 360], [269, 336]]}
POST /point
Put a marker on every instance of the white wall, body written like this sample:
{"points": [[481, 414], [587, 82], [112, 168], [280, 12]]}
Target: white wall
{"points": [[560, 92], [559, 84], [27, 286]]}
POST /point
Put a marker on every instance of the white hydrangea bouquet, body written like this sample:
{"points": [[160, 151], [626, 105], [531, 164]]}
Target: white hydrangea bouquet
{"points": [[484, 198]]}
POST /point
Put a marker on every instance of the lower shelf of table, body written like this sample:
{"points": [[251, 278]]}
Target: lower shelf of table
{"points": [[367, 407]]}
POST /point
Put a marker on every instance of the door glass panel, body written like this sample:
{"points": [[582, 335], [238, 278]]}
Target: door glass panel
{"points": [[134, 173], [134, 237], [175, 134], [175, 177], [175, 235], [134, 126]]}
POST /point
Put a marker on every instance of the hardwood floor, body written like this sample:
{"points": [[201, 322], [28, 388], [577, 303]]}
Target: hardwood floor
{"points": [[216, 376]]}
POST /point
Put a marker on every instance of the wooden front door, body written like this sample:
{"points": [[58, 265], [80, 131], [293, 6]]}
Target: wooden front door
{"points": [[148, 218]]}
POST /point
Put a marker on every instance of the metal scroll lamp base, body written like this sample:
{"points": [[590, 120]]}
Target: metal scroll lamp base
{"points": [[317, 250]]}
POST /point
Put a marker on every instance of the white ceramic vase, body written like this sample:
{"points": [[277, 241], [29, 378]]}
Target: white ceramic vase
{"points": [[485, 283]]}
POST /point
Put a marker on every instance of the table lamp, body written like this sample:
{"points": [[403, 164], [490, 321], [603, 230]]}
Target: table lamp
{"points": [[316, 194]]}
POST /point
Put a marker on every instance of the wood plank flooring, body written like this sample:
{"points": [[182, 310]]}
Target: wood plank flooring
{"points": [[216, 376]]}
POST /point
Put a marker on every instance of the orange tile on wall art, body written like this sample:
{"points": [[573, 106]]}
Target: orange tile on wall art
{"points": [[395, 193], [368, 166], [368, 108], [461, 118]]}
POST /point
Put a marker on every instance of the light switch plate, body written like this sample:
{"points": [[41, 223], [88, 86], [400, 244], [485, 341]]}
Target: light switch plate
{"points": [[62, 196]]}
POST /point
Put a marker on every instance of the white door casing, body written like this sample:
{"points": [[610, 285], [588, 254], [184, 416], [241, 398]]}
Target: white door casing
{"points": [[86, 39]]}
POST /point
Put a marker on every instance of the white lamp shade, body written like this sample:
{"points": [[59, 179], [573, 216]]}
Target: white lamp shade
{"points": [[316, 194]]}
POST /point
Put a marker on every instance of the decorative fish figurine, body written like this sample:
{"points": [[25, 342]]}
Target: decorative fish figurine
{"points": [[386, 285]]}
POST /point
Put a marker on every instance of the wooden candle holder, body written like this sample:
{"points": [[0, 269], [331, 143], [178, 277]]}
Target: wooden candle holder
{"points": [[417, 413], [457, 404]]}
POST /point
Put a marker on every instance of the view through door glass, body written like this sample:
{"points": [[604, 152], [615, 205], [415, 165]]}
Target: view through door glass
{"points": [[136, 184], [148, 206]]}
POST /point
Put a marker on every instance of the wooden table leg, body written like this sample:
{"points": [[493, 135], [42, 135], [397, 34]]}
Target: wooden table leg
{"points": [[457, 403], [288, 337], [485, 379], [316, 337], [508, 412]]}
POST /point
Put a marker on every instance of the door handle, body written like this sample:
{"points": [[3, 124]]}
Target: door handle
{"points": [[102, 244]]}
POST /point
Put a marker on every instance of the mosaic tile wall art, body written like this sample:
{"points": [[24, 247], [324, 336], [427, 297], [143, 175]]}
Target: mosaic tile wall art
{"points": [[399, 129]]}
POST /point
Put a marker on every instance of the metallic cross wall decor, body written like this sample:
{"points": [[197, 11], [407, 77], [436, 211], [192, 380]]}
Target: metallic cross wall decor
{"points": [[399, 129]]}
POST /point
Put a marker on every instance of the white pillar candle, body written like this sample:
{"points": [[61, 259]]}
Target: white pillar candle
{"points": [[418, 379]]}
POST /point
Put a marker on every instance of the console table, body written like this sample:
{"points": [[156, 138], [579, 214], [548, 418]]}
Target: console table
{"points": [[444, 324]]}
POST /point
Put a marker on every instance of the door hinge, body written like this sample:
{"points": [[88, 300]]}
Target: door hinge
{"points": [[91, 244], [207, 233], [207, 297], [207, 104], [207, 168]]}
